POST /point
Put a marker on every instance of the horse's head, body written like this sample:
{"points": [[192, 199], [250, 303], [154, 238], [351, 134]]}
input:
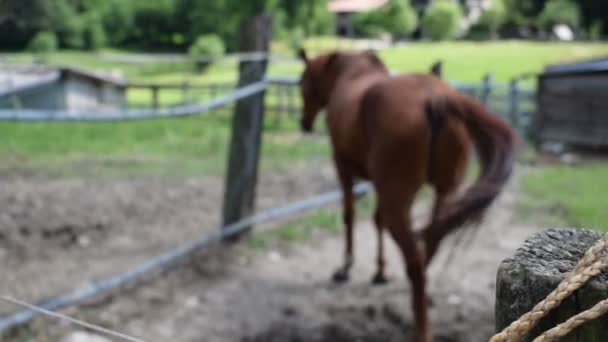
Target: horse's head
{"points": [[319, 77]]}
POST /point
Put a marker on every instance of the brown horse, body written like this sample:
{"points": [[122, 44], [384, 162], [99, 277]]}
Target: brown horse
{"points": [[400, 133]]}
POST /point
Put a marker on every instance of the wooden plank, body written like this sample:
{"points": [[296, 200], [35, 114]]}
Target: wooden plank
{"points": [[247, 124], [155, 101]]}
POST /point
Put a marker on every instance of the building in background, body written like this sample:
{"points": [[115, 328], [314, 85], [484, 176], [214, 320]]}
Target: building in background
{"points": [[66, 89], [345, 9], [572, 104]]}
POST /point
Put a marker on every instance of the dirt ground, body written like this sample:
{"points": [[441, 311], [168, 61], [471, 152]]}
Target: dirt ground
{"points": [[59, 235]]}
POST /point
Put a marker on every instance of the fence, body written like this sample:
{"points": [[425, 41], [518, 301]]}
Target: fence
{"points": [[510, 100], [280, 96], [247, 99]]}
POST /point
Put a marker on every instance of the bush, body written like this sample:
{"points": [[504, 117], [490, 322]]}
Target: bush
{"points": [[559, 12], [296, 39], [442, 20], [595, 31], [118, 20], [94, 34], [398, 18], [42, 42], [493, 18], [208, 46]]}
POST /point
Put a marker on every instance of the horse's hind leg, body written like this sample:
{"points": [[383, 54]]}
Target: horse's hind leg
{"points": [[380, 276], [346, 183], [396, 212]]}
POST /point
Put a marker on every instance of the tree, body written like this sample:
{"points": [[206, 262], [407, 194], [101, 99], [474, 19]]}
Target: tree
{"points": [[208, 46], [397, 18], [559, 12], [442, 20], [43, 42], [118, 20], [492, 19]]}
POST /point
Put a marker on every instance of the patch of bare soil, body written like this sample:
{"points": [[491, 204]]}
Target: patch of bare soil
{"points": [[56, 235], [284, 294]]}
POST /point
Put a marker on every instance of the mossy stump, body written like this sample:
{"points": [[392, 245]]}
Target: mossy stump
{"points": [[536, 269]]}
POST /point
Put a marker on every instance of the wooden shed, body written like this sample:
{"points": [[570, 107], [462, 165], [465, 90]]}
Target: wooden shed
{"points": [[66, 88], [573, 104]]}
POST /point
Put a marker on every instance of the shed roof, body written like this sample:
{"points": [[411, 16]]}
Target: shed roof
{"points": [[590, 66], [97, 76], [20, 78], [354, 5]]}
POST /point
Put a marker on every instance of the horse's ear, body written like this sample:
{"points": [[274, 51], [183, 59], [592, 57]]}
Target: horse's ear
{"points": [[436, 69], [373, 56], [302, 55], [332, 59]]}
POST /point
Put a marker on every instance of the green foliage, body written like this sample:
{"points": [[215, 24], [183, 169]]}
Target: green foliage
{"points": [[522, 12], [118, 20], [43, 42], [154, 23], [296, 39], [494, 17], [559, 12], [94, 35], [398, 18], [209, 46], [595, 31], [442, 20]]}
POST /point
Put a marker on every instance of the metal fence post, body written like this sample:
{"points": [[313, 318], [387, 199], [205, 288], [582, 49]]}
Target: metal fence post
{"points": [[486, 89], [514, 102], [247, 124]]}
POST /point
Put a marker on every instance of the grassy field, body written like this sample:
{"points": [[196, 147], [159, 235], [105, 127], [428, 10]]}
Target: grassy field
{"points": [[199, 144], [464, 60], [188, 146], [568, 195]]}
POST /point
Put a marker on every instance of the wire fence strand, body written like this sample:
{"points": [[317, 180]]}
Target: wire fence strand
{"points": [[94, 327]]}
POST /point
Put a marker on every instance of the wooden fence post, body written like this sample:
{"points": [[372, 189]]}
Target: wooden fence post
{"points": [[186, 92], [536, 269], [154, 89], [241, 179]]}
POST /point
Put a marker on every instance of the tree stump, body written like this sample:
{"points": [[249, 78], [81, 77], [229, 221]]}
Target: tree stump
{"points": [[536, 269]]}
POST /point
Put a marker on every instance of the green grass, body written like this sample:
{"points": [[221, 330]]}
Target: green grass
{"points": [[326, 220], [187, 146], [198, 145], [470, 61], [572, 195], [463, 60]]}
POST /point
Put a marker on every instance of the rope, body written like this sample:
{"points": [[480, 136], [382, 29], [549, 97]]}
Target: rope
{"points": [[565, 328], [594, 261], [72, 320]]}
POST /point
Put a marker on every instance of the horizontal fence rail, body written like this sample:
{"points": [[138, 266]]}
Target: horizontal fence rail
{"points": [[183, 110], [511, 101], [173, 256], [181, 58]]}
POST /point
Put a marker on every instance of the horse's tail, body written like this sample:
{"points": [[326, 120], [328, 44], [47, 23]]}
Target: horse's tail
{"points": [[495, 142]]}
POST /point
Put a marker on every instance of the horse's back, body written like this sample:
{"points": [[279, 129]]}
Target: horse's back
{"points": [[399, 128], [344, 110]]}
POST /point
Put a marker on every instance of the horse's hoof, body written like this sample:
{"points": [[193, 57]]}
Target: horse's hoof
{"points": [[379, 279], [340, 276]]}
